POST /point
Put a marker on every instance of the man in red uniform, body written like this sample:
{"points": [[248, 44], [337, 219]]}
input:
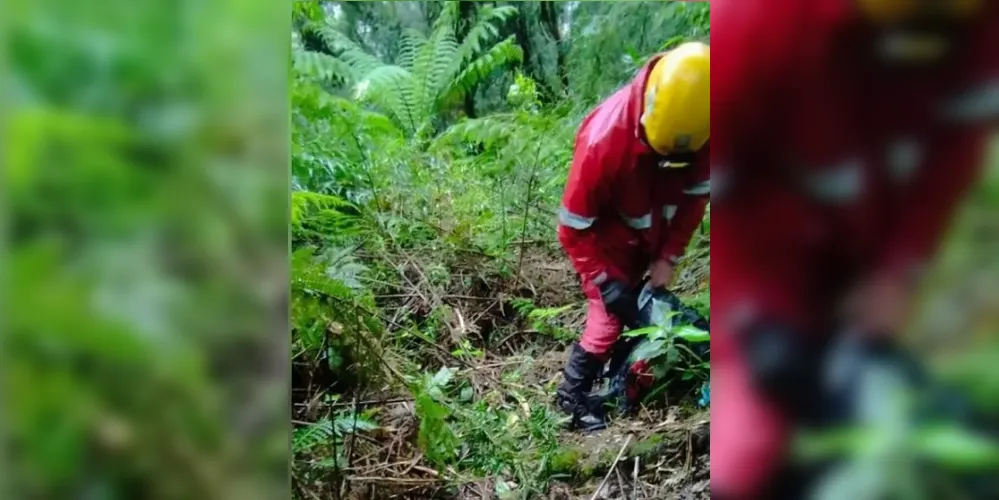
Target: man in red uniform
{"points": [[637, 189], [845, 133]]}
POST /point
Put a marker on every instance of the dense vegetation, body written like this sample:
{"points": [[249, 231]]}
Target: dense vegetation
{"points": [[145, 264], [430, 302]]}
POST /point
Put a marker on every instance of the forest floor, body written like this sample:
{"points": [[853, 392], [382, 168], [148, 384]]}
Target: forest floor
{"points": [[658, 453]]}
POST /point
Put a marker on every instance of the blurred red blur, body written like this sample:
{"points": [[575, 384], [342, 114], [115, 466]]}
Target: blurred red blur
{"points": [[851, 142]]}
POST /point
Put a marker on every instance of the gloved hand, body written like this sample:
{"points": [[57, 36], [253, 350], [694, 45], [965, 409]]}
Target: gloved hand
{"points": [[879, 307], [661, 273], [621, 301], [784, 366]]}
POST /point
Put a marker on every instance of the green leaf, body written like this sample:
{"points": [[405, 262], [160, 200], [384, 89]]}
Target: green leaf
{"points": [[442, 378], [649, 349], [467, 393], [505, 491], [692, 334], [829, 443], [642, 331], [958, 448], [347, 424]]}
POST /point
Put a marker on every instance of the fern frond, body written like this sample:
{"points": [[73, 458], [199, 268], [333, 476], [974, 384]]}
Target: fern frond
{"points": [[383, 77], [502, 13], [446, 66], [322, 67], [448, 17], [348, 424], [303, 202], [487, 131], [485, 30], [502, 54], [423, 68], [355, 117], [409, 45], [323, 432], [344, 267], [390, 88], [431, 72], [306, 438], [346, 49], [309, 277]]}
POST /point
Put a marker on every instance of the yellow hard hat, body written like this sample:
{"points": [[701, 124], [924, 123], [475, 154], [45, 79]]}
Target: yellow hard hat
{"points": [[893, 11], [677, 108]]}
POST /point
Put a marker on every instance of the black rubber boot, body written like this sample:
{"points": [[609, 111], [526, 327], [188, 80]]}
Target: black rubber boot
{"points": [[580, 371], [613, 396]]}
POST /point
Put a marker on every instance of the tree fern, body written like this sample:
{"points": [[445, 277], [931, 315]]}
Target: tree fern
{"points": [[390, 88], [485, 29], [410, 41], [346, 49], [430, 74]]}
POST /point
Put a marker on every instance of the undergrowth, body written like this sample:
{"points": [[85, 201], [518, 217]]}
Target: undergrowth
{"points": [[430, 302]]}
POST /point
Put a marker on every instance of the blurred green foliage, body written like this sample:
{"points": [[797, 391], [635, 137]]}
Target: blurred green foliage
{"points": [[145, 271]]}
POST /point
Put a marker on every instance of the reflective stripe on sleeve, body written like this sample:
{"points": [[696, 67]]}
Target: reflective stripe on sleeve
{"points": [[643, 222], [699, 189], [669, 211], [981, 103], [575, 221]]}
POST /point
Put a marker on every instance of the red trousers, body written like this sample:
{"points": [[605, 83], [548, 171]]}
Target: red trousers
{"points": [[749, 434], [602, 329]]}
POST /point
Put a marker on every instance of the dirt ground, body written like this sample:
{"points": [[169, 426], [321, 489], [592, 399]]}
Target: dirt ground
{"points": [[660, 454]]}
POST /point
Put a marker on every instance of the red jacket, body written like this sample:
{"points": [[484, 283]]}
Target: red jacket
{"points": [[620, 209], [829, 163]]}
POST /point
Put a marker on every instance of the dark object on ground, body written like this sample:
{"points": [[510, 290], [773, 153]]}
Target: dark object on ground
{"points": [[783, 364], [629, 379], [849, 375], [581, 371], [620, 301]]}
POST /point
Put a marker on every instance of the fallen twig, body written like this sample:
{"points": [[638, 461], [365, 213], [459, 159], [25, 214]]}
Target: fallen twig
{"points": [[690, 451], [390, 479], [612, 467], [412, 463], [411, 295], [634, 479], [620, 483], [494, 365], [379, 467], [369, 402], [353, 434]]}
